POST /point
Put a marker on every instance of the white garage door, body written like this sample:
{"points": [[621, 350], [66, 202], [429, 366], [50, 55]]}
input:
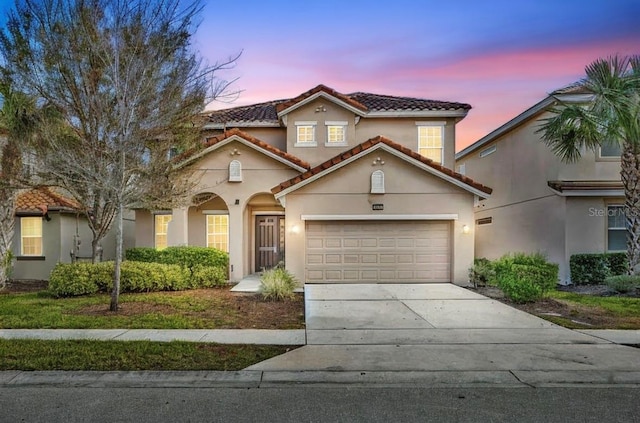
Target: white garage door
{"points": [[378, 251]]}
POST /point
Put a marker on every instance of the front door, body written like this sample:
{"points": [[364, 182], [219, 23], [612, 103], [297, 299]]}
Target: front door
{"points": [[269, 241]]}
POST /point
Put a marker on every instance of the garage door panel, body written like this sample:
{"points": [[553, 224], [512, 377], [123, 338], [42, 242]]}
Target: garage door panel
{"points": [[383, 251]]}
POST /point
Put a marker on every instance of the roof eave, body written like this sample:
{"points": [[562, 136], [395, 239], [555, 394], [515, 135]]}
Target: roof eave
{"points": [[326, 96]]}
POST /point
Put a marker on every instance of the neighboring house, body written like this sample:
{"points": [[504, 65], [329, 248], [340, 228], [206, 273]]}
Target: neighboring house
{"points": [[539, 203], [50, 229], [340, 187]]}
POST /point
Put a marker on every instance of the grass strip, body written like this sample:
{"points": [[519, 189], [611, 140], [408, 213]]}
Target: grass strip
{"points": [[618, 306], [27, 354]]}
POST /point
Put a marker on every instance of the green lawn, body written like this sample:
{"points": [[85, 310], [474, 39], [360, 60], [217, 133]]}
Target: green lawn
{"points": [[199, 309], [130, 355], [618, 306]]}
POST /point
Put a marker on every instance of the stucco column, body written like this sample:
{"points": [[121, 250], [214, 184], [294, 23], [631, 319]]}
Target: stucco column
{"points": [[236, 237], [178, 230]]}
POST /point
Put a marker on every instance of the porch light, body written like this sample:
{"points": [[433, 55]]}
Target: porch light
{"points": [[465, 229], [295, 229]]}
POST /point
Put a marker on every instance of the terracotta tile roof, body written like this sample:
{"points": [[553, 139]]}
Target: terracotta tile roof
{"points": [[267, 113], [211, 141], [261, 112], [39, 200], [369, 144], [325, 89], [383, 103]]}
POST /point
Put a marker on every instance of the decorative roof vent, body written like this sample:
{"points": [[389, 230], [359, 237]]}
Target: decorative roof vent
{"points": [[377, 182], [235, 171]]}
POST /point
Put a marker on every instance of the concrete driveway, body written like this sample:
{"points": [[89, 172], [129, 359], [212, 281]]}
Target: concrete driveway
{"points": [[446, 334]]}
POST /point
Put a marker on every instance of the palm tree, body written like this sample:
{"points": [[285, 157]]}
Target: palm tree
{"points": [[611, 116]]}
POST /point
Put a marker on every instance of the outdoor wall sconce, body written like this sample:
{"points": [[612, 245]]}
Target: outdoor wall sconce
{"points": [[465, 229], [295, 229]]}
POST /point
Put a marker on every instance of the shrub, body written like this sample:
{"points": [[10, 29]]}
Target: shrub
{"points": [[482, 272], [72, 279], [209, 277], [525, 277], [145, 254], [68, 280], [595, 268], [623, 283], [277, 284], [190, 258]]}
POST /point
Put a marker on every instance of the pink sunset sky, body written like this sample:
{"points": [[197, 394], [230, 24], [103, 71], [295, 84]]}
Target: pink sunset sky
{"points": [[499, 56]]}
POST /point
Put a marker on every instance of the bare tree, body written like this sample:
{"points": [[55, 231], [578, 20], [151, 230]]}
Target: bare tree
{"points": [[125, 79]]}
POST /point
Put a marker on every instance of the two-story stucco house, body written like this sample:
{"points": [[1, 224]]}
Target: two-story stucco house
{"points": [[341, 187], [539, 203]]}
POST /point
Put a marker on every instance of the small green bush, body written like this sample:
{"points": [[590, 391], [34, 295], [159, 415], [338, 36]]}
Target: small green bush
{"points": [[191, 258], [482, 272], [72, 279], [525, 277], [145, 254], [623, 283], [277, 284], [595, 268], [209, 277]]}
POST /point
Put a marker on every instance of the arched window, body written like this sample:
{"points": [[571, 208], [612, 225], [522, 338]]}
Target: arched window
{"points": [[235, 171], [377, 182]]}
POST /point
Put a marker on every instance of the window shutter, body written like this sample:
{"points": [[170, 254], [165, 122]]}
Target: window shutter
{"points": [[235, 171], [377, 182]]}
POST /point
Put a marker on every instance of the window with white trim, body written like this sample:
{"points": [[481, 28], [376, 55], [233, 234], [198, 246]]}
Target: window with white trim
{"points": [[336, 133], [305, 134], [377, 182], [31, 236], [218, 231], [160, 229], [430, 142], [616, 228]]}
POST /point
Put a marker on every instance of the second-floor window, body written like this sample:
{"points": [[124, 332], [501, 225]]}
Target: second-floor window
{"points": [[430, 142], [305, 133], [611, 150], [336, 133]]}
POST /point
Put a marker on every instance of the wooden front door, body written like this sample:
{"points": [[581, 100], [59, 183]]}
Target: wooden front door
{"points": [[269, 241]]}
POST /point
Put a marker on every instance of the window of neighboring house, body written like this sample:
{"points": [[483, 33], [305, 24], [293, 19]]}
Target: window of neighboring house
{"points": [[218, 231], [616, 229], [430, 142], [305, 133], [336, 133], [161, 224], [31, 236], [610, 150]]}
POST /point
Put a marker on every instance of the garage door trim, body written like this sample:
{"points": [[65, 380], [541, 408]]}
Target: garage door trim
{"points": [[446, 216]]}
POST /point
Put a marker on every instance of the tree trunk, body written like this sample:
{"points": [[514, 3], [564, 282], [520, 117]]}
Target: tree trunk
{"points": [[115, 294], [630, 174], [7, 230]]}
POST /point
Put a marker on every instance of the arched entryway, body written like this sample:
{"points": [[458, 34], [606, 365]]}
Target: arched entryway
{"points": [[265, 216]]}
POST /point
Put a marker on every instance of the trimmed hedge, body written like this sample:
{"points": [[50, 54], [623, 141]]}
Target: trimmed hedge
{"points": [[525, 277], [623, 283], [74, 279], [596, 268], [191, 258]]}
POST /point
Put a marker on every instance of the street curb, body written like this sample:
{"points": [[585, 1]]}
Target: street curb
{"points": [[282, 379]]}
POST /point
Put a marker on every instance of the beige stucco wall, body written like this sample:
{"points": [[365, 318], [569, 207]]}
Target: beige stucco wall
{"points": [[404, 131], [409, 191], [260, 173], [58, 241], [527, 215]]}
